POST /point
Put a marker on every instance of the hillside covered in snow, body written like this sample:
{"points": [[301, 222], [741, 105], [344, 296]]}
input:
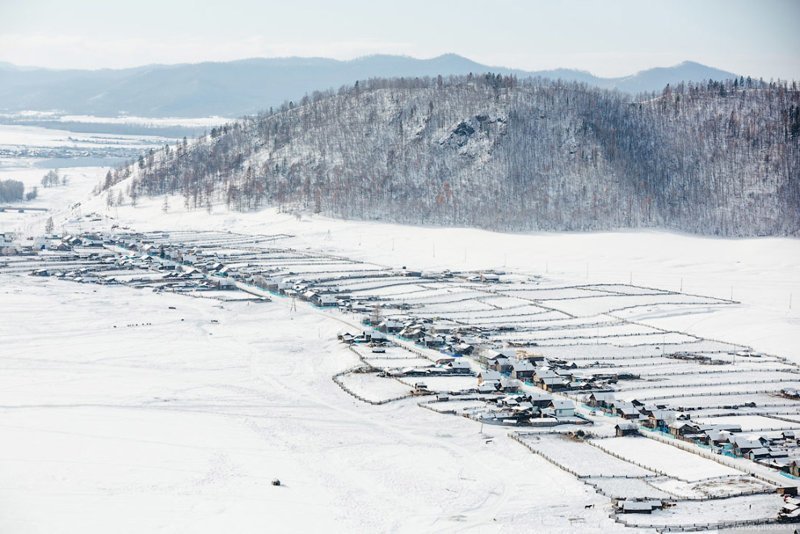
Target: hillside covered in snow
{"points": [[496, 152]]}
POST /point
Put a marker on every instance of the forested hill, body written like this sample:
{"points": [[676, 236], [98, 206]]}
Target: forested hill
{"points": [[491, 151]]}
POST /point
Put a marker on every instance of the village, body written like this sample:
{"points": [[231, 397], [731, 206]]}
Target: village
{"points": [[667, 425]]}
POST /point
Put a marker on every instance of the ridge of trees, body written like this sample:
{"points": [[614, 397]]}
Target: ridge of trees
{"points": [[501, 153]]}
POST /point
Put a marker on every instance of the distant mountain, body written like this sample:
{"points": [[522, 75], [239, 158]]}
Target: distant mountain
{"points": [[236, 88], [495, 152], [659, 77]]}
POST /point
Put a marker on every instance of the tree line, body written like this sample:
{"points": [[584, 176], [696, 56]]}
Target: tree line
{"points": [[14, 191]]}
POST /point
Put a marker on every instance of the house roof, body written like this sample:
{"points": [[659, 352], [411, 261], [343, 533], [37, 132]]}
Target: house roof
{"points": [[745, 442], [488, 374], [627, 408], [546, 373], [681, 424], [523, 365], [549, 381]]}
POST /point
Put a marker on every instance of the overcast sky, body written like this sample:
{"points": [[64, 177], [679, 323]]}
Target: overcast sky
{"points": [[608, 38]]}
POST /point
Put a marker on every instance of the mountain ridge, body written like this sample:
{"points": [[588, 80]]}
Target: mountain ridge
{"points": [[247, 86]]}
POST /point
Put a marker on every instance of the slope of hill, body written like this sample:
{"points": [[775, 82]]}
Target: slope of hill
{"points": [[236, 88], [494, 152]]}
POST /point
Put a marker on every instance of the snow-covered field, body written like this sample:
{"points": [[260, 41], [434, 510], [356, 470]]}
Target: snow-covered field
{"points": [[583, 459], [180, 426]]}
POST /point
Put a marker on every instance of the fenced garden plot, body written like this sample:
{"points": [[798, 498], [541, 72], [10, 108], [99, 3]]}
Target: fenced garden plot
{"points": [[664, 459], [455, 406], [504, 303], [642, 365], [365, 284], [727, 400], [705, 378], [626, 289], [551, 293], [371, 388], [669, 393], [711, 513], [588, 331], [705, 347], [714, 488], [500, 317], [630, 340], [442, 384], [393, 352], [397, 363], [451, 296], [454, 306], [603, 352], [389, 290], [601, 304], [580, 458], [672, 367], [750, 423]]}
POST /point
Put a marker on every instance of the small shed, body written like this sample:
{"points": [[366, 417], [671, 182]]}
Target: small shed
{"points": [[630, 506], [626, 429]]}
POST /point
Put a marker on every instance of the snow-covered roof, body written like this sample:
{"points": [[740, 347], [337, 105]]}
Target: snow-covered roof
{"points": [[523, 365], [488, 374], [637, 506]]}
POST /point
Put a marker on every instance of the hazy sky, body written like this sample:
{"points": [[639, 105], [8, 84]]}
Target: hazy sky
{"points": [[608, 38]]}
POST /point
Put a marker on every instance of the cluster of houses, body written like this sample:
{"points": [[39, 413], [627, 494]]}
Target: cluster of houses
{"points": [[548, 374], [650, 415], [83, 258], [11, 246], [531, 409], [500, 391], [445, 336], [779, 450], [6, 244]]}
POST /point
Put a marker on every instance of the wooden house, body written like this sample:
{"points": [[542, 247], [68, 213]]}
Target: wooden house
{"points": [[626, 429], [522, 370]]}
